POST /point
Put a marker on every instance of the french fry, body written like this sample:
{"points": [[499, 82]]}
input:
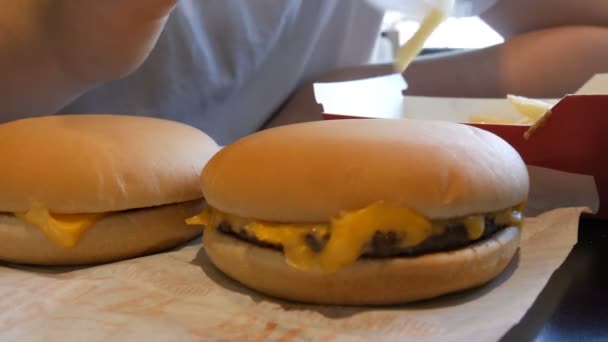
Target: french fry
{"points": [[542, 121], [487, 119], [531, 108], [412, 48]]}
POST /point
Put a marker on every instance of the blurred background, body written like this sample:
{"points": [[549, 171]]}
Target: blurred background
{"points": [[454, 33]]}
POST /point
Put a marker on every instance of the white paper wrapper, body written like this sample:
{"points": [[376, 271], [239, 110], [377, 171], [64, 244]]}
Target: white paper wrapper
{"points": [[180, 296]]}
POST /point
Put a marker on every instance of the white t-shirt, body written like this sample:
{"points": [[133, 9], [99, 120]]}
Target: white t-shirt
{"points": [[225, 66]]}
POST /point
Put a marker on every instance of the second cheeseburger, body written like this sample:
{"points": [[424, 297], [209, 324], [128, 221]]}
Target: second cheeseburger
{"points": [[89, 189], [364, 211]]}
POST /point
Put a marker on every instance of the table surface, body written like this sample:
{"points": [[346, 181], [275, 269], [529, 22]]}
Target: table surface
{"points": [[574, 304]]}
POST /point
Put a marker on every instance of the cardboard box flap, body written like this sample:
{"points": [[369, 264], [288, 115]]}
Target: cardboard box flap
{"points": [[597, 85], [382, 98]]}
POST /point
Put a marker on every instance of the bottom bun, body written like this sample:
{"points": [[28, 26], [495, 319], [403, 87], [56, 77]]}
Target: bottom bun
{"points": [[117, 236], [368, 281]]}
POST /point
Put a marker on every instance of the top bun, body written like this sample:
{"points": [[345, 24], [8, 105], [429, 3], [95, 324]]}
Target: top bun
{"points": [[99, 163], [311, 172]]}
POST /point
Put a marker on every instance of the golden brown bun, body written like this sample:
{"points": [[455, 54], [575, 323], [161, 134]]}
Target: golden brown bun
{"points": [[99, 163], [310, 172], [118, 236], [367, 281]]}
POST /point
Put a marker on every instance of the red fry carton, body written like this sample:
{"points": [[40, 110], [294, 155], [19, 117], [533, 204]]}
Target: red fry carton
{"points": [[565, 155]]}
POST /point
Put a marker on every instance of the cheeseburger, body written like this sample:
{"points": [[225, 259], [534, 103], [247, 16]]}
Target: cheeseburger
{"points": [[364, 211], [96, 188]]}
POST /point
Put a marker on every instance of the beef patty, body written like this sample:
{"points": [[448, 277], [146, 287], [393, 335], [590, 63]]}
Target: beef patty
{"points": [[387, 244]]}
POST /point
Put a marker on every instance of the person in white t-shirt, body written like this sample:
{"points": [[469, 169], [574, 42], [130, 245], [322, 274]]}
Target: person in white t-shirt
{"points": [[232, 67]]}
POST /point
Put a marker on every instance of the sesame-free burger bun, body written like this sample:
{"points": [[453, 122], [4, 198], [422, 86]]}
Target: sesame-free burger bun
{"points": [[373, 281], [120, 235], [311, 172], [99, 163]]}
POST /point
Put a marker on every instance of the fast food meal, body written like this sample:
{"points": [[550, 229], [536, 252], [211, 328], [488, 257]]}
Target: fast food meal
{"points": [[80, 189], [364, 211]]}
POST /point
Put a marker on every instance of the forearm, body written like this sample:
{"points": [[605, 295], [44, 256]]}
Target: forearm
{"points": [[546, 63], [54, 50], [514, 17]]}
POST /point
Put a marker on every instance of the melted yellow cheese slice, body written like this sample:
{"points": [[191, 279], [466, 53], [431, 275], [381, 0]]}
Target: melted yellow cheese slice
{"points": [[348, 233], [63, 229], [475, 226], [351, 231]]}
